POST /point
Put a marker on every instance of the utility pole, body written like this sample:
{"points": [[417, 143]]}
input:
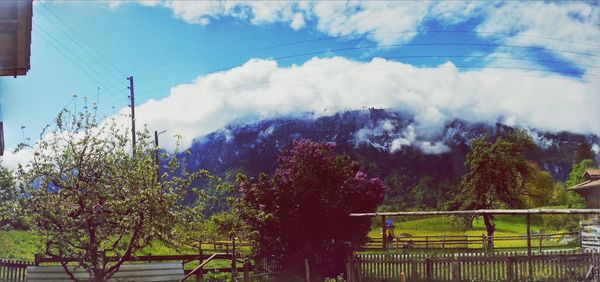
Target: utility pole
{"points": [[132, 105], [157, 159]]}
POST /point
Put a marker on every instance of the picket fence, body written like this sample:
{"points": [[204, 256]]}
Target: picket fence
{"points": [[506, 266]]}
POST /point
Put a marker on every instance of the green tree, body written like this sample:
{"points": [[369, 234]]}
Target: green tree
{"points": [[538, 187], [8, 198], [92, 197], [584, 152], [496, 177], [576, 175], [302, 210]]}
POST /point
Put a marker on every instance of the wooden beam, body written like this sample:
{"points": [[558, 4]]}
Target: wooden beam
{"points": [[480, 212], [383, 233], [529, 264]]}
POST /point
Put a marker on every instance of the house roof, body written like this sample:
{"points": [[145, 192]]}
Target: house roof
{"points": [[586, 185], [591, 173], [15, 35]]}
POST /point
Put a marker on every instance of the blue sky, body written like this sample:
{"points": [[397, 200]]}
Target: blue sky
{"points": [[199, 66]]}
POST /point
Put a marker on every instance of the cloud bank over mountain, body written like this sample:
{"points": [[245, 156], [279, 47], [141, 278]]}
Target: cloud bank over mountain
{"points": [[260, 89]]}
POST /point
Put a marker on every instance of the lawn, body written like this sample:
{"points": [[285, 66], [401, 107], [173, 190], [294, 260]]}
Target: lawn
{"points": [[506, 225], [23, 245]]}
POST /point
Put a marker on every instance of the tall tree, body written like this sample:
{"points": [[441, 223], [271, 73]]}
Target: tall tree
{"points": [[496, 177], [584, 152], [91, 198], [302, 210], [8, 197]]}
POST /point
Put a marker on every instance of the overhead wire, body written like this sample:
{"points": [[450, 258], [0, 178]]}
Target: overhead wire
{"points": [[47, 35], [427, 56], [352, 36], [91, 46], [85, 50], [67, 49]]}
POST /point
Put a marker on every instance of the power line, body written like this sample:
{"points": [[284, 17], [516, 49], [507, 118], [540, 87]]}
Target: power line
{"points": [[84, 41], [76, 64], [68, 57], [438, 56], [326, 51], [392, 32], [73, 53], [79, 45]]}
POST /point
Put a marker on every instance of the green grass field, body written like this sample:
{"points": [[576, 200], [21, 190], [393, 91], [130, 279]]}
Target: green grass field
{"points": [[505, 226], [23, 245]]}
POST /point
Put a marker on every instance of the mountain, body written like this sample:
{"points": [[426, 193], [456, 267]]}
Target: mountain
{"points": [[386, 143]]}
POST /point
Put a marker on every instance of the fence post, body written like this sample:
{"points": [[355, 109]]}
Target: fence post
{"points": [[383, 233], [529, 264], [357, 269], [455, 270], [484, 245], [595, 266], [509, 269], [426, 242], [233, 260], [307, 270], [429, 269], [413, 270], [246, 271]]}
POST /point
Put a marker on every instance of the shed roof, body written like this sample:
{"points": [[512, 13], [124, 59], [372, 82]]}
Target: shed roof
{"points": [[15, 35]]}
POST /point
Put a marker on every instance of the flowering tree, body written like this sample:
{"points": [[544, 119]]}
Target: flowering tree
{"points": [[96, 201], [302, 210]]}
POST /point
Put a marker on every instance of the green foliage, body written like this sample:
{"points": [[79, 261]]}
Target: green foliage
{"points": [[576, 175], [497, 176], [584, 152], [302, 210], [560, 222], [560, 196], [91, 196], [8, 198], [498, 173], [538, 188]]}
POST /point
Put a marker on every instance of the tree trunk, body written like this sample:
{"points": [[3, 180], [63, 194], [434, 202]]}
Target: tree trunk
{"points": [[490, 228]]}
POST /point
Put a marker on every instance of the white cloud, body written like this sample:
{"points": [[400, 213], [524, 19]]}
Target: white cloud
{"points": [[408, 137], [433, 148], [557, 26], [364, 134], [569, 26], [260, 89], [12, 160]]}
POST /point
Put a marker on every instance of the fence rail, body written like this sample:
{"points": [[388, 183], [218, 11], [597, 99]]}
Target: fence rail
{"points": [[561, 266], [464, 242], [13, 270]]}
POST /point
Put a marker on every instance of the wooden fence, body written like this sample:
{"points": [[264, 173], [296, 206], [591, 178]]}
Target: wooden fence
{"points": [[558, 266], [463, 242], [590, 237], [13, 270]]}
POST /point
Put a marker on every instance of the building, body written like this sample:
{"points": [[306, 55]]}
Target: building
{"points": [[590, 190], [15, 42]]}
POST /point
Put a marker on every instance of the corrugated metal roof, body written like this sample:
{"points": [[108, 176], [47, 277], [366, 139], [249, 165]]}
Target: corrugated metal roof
{"points": [[15, 37]]}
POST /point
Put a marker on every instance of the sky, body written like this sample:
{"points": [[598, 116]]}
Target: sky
{"points": [[201, 65]]}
